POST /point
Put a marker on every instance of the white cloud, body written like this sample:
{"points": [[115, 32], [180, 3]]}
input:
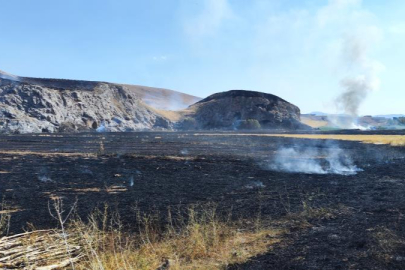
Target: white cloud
{"points": [[336, 10], [209, 20], [160, 58], [398, 28]]}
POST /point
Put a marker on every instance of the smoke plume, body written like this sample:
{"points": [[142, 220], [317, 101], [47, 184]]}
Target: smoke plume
{"points": [[325, 160], [7, 76], [356, 88]]}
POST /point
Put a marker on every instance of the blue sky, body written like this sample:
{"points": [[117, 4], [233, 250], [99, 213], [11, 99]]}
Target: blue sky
{"points": [[294, 49]]}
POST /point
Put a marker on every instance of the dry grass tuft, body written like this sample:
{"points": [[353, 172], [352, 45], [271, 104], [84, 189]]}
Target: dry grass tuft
{"points": [[386, 243], [5, 216], [201, 242]]}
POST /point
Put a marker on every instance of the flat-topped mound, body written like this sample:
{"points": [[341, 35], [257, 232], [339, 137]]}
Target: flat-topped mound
{"points": [[241, 93], [242, 109]]}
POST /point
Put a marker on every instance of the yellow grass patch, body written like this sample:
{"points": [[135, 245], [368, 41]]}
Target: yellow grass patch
{"points": [[190, 251], [171, 115], [313, 123], [394, 140], [203, 241]]}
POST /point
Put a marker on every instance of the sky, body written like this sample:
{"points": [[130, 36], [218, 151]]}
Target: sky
{"points": [[301, 50]]}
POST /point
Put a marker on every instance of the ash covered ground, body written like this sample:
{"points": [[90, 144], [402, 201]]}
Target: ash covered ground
{"points": [[243, 175]]}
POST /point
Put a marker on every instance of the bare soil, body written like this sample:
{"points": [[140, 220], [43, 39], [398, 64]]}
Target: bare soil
{"points": [[153, 171]]}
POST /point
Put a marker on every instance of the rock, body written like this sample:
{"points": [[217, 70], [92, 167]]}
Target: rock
{"points": [[235, 108], [31, 108]]}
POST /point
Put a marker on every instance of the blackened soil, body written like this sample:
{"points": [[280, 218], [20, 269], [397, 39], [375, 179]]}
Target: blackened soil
{"points": [[154, 171]]}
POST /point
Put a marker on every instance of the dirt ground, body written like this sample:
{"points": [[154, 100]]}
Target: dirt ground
{"points": [[152, 171]]}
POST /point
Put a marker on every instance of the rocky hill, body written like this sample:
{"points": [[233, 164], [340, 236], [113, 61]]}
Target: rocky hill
{"points": [[241, 109], [33, 105], [52, 105]]}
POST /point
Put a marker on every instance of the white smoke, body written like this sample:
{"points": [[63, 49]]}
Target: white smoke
{"points": [[330, 160], [364, 78], [7, 76], [131, 181], [102, 128]]}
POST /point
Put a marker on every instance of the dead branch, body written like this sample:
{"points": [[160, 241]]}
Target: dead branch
{"points": [[40, 250]]}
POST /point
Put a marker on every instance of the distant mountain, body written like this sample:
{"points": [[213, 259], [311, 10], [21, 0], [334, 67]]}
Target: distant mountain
{"points": [[337, 114], [318, 113], [390, 115]]}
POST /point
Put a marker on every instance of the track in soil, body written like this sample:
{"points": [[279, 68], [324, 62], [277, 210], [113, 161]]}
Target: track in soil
{"points": [[155, 170]]}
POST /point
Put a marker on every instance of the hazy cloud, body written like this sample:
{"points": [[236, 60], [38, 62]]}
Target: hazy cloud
{"points": [[398, 28], [336, 10], [209, 19], [160, 58]]}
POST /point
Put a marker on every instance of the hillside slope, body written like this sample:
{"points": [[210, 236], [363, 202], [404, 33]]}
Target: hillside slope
{"points": [[53, 105]]}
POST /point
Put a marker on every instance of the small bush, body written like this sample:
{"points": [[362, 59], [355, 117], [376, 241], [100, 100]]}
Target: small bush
{"points": [[248, 124]]}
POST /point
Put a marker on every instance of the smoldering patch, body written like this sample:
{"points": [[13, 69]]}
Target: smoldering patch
{"points": [[325, 160]]}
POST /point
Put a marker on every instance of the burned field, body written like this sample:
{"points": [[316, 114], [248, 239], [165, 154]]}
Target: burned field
{"points": [[332, 219]]}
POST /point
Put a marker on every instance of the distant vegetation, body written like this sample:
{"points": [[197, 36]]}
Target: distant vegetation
{"points": [[400, 120], [248, 124]]}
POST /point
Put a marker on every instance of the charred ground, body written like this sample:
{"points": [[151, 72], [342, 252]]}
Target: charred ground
{"points": [[153, 170]]}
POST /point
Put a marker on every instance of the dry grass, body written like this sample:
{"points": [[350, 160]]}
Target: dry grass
{"points": [[386, 239], [171, 115], [197, 239], [201, 242], [386, 243], [314, 123], [39, 250], [5, 215], [394, 140]]}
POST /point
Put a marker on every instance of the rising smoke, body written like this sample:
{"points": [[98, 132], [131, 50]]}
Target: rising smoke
{"points": [[314, 160], [356, 88], [7, 76]]}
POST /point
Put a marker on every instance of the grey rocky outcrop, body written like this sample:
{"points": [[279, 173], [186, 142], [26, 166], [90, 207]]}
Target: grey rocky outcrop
{"points": [[26, 107]]}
